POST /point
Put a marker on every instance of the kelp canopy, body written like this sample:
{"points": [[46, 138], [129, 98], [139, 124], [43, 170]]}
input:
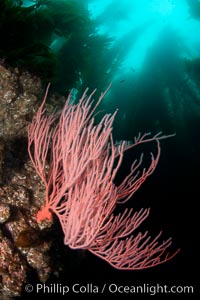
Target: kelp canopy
{"points": [[55, 40]]}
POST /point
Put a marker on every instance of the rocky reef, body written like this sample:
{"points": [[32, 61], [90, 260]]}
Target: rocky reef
{"points": [[23, 246]]}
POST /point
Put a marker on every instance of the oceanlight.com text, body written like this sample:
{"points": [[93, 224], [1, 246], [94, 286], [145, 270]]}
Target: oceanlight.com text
{"points": [[111, 288]]}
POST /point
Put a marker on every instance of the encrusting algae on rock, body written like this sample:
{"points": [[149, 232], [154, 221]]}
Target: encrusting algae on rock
{"points": [[22, 247]]}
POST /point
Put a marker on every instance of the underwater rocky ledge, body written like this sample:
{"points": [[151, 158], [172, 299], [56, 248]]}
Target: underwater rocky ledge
{"points": [[24, 247]]}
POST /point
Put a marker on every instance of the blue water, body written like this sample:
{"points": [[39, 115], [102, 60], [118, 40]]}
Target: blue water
{"points": [[151, 18], [152, 62]]}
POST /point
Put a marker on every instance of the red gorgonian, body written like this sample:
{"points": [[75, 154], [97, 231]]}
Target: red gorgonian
{"points": [[83, 161]]}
